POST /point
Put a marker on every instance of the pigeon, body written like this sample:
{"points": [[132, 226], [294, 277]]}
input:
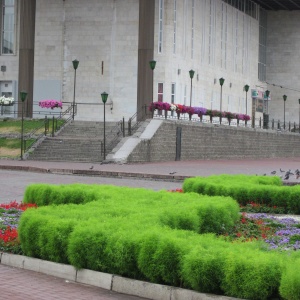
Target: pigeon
{"points": [[265, 174], [281, 170], [273, 172], [171, 173], [289, 172], [287, 176], [92, 167], [297, 172]]}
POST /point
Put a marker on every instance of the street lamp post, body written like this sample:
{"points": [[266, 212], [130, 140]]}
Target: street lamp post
{"points": [[267, 106], [152, 64], [104, 96], [23, 96], [284, 99], [221, 80], [192, 73], [299, 115], [75, 66], [246, 88], [266, 115]]}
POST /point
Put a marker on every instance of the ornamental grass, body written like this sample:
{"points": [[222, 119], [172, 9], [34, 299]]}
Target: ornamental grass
{"points": [[188, 240]]}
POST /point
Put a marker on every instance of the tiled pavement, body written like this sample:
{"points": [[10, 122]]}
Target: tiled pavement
{"points": [[20, 284]]}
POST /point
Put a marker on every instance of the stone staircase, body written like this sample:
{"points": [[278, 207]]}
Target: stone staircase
{"points": [[79, 141]]}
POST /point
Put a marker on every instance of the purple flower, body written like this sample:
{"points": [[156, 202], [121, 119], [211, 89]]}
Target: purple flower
{"points": [[50, 103], [200, 111]]}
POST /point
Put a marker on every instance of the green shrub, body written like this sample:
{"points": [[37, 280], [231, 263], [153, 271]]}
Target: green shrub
{"points": [[160, 257], [86, 247], [44, 194], [53, 240], [290, 281], [266, 190], [252, 275], [29, 232], [150, 235], [203, 269]]}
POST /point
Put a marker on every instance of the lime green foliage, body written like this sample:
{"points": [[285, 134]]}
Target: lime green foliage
{"points": [[267, 190], [252, 275], [162, 237], [290, 281]]}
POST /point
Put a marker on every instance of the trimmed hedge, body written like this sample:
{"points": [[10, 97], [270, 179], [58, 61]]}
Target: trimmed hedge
{"points": [[152, 236], [290, 281], [266, 190]]}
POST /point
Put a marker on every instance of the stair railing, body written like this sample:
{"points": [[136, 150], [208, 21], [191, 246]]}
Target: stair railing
{"points": [[137, 118], [114, 134], [39, 132], [58, 123]]}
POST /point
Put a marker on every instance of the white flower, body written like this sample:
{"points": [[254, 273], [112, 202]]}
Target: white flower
{"points": [[6, 101], [173, 107]]}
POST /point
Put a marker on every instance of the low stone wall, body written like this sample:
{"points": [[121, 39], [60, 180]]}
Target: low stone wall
{"points": [[208, 141]]}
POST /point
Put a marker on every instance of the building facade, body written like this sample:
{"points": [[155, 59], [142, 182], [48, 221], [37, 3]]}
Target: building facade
{"points": [[245, 42]]}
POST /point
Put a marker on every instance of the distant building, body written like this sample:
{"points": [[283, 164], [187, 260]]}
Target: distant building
{"points": [[253, 43]]}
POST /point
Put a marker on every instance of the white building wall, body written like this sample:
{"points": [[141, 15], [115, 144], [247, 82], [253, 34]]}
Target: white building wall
{"points": [[283, 63], [9, 78], [208, 61], [105, 41]]}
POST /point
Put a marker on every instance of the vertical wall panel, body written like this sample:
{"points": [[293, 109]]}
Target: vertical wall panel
{"points": [[26, 51], [145, 53]]}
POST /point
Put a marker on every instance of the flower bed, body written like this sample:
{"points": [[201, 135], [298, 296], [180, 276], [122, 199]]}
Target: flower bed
{"points": [[200, 111], [156, 236], [6, 101], [9, 218], [50, 104]]}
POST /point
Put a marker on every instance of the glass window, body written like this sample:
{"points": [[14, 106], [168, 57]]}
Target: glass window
{"points": [[262, 59], [160, 25], [160, 92], [175, 27], [193, 21], [8, 27], [173, 90]]}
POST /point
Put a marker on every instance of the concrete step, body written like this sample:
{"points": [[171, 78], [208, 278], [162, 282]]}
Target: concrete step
{"points": [[78, 141]]}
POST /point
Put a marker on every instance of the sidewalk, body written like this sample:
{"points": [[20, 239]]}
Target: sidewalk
{"points": [[173, 170]]}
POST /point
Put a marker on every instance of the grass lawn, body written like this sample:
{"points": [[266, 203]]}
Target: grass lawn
{"points": [[10, 147]]}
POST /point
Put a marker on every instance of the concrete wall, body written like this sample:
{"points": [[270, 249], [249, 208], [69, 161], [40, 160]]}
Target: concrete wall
{"points": [[283, 61], [206, 141], [231, 53], [104, 39]]}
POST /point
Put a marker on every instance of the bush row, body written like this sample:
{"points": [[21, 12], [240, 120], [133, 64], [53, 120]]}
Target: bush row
{"points": [[266, 190], [153, 236]]}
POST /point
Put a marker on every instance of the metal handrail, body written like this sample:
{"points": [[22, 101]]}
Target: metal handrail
{"points": [[138, 117], [114, 134], [258, 122], [46, 125]]}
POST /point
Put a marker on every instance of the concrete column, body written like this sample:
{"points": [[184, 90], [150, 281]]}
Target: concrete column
{"points": [[26, 53], [145, 54]]}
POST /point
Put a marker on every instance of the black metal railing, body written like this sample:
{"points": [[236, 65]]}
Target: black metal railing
{"points": [[261, 122], [56, 124], [137, 118], [114, 135]]}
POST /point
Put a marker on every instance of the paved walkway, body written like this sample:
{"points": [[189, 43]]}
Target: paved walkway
{"points": [[160, 170], [16, 175], [20, 284]]}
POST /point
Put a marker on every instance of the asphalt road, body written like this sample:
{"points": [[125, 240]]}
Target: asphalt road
{"points": [[14, 183]]}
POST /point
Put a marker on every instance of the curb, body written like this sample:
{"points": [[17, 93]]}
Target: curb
{"points": [[104, 280], [114, 174]]}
